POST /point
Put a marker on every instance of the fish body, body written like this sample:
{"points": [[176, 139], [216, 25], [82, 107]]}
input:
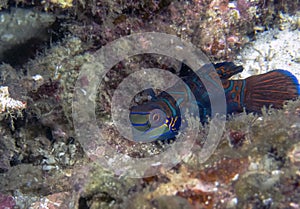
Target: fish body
{"points": [[160, 118]]}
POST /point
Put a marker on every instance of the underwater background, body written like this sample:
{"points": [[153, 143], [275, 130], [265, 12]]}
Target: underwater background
{"points": [[43, 46]]}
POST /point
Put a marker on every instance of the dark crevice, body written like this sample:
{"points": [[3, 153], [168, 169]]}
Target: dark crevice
{"points": [[20, 54]]}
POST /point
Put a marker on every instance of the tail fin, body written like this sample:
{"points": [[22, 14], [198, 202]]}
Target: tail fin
{"points": [[272, 88]]}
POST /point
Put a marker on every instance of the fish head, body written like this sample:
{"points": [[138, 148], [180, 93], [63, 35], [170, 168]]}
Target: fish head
{"points": [[153, 121]]}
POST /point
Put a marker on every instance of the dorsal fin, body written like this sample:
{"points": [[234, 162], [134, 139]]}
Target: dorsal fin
{"points": [[227, 69], [224, 69]]}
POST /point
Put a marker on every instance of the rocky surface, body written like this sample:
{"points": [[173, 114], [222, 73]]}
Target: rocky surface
{"points": [[43, 164]]}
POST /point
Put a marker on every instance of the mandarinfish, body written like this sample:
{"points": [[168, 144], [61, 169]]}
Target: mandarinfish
{"points": [[161, 119]]}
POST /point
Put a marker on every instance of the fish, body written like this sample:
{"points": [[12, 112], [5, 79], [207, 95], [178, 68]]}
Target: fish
{"points": [[160, 118]]}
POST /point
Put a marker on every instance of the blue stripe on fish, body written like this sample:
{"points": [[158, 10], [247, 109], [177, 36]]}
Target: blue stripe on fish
{"points": [[140, 124], [139, 113], [293, 78]]}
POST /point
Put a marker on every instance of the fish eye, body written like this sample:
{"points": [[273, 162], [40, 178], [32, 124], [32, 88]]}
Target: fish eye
{"points": [[157, 117]]}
